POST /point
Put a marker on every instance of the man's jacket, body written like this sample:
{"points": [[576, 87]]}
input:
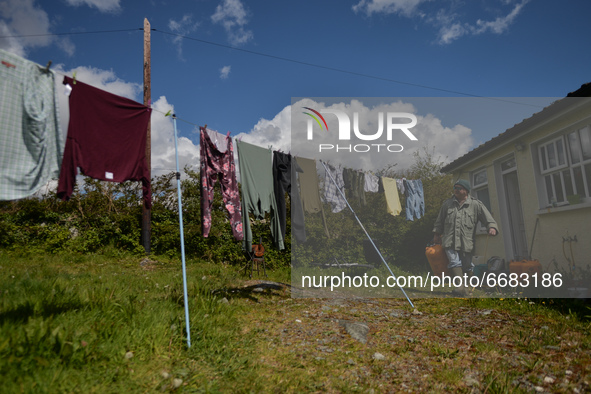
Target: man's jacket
{"points": [[457, 224]]}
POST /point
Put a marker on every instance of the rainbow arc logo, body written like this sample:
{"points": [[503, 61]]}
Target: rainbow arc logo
{"points": [[315, 118]]}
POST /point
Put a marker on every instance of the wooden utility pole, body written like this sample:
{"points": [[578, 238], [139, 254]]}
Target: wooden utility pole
{"points": [[146, 212]]}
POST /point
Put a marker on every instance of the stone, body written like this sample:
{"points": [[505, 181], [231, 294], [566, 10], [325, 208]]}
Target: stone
{"points": [[176, 383], [378, 356], [358, 331]]}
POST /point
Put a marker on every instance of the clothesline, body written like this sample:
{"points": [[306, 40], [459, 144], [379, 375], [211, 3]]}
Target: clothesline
{"points": [[168, 113], [153, 109], [123, 123]]}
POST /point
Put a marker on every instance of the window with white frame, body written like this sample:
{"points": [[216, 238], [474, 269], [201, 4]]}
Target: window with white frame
{"points": [[565, 166], [480, 191], [480, 186]]}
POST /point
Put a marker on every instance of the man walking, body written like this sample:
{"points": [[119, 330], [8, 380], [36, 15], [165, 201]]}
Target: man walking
{"points": [[455, 229]]}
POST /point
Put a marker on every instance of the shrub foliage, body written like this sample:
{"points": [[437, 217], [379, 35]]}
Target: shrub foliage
{"points": [[104, 216]]}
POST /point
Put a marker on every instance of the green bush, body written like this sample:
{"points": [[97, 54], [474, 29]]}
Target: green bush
{"points": [[106, 216]]}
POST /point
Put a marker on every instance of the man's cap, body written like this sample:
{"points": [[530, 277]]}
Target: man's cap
{"points": [[464, 183]]}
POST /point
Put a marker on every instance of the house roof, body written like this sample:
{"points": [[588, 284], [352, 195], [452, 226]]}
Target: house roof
{"points": [[518, 129]]}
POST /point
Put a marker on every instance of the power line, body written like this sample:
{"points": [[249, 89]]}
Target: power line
{"points": [[285, 59], [329, 68], [72, 33]]}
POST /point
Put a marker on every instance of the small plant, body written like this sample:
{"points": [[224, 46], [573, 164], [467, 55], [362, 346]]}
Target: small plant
{"points": [[444, 352], [499, 383]]}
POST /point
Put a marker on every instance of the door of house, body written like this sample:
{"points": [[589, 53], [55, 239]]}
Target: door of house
{"points": [[514, 209]]}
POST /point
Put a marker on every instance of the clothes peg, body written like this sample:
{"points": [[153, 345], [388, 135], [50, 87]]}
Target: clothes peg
{"points": [[205, 127], [47, 67], [74, 77], [8, 65]]}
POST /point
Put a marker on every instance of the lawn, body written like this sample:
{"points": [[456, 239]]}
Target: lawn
{"points": [[115, 323]]}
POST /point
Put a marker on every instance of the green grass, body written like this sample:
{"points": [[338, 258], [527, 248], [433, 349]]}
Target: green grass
{"points": [[111, 323], [68, 322]]}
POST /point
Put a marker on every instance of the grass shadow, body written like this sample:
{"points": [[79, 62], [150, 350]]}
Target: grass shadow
{"points": [[22, 313]]}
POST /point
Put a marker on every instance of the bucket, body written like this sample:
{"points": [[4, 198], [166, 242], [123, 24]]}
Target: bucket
{"points": [[529, 267], [437, 259]]}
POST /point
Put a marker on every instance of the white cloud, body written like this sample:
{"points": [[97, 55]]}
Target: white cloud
{"points": [[163, 152], [108, 81], [404, 7], [23, 18], [451, 24], [449, 33], [232, 15], [10, 44], [451, 30], [182, 27], [67, 46], [274, 133], [447, 142], [500, 24], [101, 5], [225, 72]]}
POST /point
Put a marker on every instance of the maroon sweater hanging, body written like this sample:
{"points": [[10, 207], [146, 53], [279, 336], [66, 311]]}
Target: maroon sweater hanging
{"points": [[106, 139]]}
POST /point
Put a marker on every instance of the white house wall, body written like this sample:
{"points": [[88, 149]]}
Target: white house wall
{"points": [[556, 227]]}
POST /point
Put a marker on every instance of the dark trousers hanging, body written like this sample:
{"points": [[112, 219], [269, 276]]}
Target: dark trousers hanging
{"points": [[284, 176]]}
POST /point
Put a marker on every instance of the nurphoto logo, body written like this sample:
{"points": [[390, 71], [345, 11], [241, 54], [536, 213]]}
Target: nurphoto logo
{"points": [[396, 122]]}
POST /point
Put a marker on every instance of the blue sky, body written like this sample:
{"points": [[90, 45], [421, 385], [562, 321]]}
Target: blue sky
{"points": [[231, 72]]}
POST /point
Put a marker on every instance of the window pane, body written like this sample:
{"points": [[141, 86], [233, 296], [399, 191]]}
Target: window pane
{"points": [[543, 155], [551, 156], [573, 143], [558, 187], [568, 183], [588, 176], [549, 192], [578, 172], [507, 165], [480, 178], [560, 152], [585, 134], [483, 196]]}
